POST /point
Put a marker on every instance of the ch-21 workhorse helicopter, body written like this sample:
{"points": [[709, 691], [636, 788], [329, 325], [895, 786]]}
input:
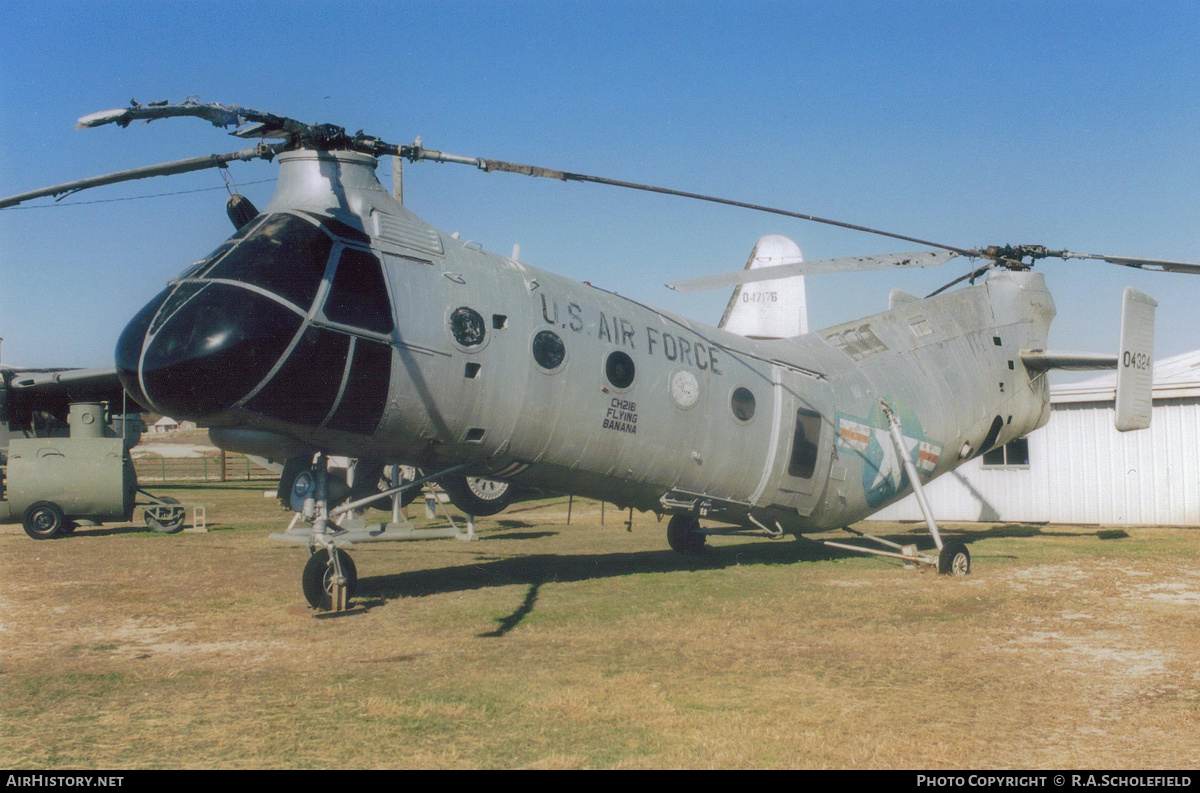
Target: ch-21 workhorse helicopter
{"points": [[335, 322]]}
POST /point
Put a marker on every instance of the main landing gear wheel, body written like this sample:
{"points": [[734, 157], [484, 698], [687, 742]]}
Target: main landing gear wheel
{"points": [[406, 497], [45, 520], [683, 535], [477, 496], [954, 559], [317, 580]]}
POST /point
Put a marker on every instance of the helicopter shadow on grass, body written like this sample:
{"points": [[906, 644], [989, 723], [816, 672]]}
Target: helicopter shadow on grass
{"points": [[536, 570], [997, 531], [89, 532], [1009, 530], [506, 531]]}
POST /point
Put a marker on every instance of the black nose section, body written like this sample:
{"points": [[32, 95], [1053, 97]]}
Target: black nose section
{"points": [[197, 352], [129, 347]]}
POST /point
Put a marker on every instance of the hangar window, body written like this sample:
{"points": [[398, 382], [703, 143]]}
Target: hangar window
{"points": [[1014, 454]]}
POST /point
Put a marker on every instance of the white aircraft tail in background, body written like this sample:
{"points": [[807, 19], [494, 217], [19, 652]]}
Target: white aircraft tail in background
{"points": [[769, 309]]}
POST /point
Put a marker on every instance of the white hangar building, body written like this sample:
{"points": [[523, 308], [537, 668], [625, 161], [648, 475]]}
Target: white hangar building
{"points": [[1079, 469]]}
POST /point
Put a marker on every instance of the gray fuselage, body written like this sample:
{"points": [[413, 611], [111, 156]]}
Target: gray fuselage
{"points": [[551, 383]]}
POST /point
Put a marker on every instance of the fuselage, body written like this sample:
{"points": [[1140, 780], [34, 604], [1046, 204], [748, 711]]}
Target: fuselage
{"points": [[339, 321]]}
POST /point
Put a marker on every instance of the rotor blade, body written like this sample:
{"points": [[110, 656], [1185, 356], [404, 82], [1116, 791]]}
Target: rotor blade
{"points": [[219, 115], [162, 169], [971, 276], [1149, 264], [885, 261], [417, 152]]}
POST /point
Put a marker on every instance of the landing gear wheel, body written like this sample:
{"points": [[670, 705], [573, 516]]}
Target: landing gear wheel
{"points": [[406, 497], [44, 520], [477, 496], [165, 520], [683, 535], [954, 559], [317, 580]]}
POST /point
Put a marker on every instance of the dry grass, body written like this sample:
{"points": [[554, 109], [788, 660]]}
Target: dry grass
{"points": [[548, 646]]}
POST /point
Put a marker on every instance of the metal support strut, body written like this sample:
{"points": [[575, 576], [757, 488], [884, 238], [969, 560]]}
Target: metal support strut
{"points": [[952, 558], [911, 469], [330, 577]]}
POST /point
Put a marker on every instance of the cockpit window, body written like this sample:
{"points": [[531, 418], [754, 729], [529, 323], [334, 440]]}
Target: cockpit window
{"points": [[285, 255], [221, 250], [294, 394], [358, 295], [183, 293], [366, 391]]}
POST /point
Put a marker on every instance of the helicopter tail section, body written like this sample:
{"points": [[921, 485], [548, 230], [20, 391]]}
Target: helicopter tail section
{"points": [[774, 309], [1135, 364], [1134, 361]]}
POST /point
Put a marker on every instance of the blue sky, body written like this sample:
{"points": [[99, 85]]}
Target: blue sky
{"points": [[1074, 125]]}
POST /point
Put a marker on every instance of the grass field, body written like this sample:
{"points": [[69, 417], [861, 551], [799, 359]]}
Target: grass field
{"points": [[547, 645]]}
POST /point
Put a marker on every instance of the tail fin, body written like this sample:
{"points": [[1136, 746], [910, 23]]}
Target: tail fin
{"points": [[769, 309], [1135, 365]]}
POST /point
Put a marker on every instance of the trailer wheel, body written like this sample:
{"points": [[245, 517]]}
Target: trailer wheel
{"points": [[168, 519], [44, 520]]}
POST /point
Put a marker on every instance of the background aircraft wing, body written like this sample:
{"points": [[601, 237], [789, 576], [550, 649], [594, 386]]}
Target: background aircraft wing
{"points": [[25, 391]]}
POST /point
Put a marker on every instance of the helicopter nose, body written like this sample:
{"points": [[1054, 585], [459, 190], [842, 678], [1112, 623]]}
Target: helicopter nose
{"points": [[195, 351]]}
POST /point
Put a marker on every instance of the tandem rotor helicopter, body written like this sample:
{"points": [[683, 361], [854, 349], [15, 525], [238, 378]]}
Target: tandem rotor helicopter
{"points": [[335, 322]]}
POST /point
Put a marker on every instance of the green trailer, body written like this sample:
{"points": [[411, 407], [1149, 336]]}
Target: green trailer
{"points": [[50, 484]]}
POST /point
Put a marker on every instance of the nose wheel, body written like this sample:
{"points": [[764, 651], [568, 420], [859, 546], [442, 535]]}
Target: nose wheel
{"points": [[329, 579]]}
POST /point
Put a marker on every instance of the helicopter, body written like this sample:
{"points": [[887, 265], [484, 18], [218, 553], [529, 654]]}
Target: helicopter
{"points": [[336, 323]]}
